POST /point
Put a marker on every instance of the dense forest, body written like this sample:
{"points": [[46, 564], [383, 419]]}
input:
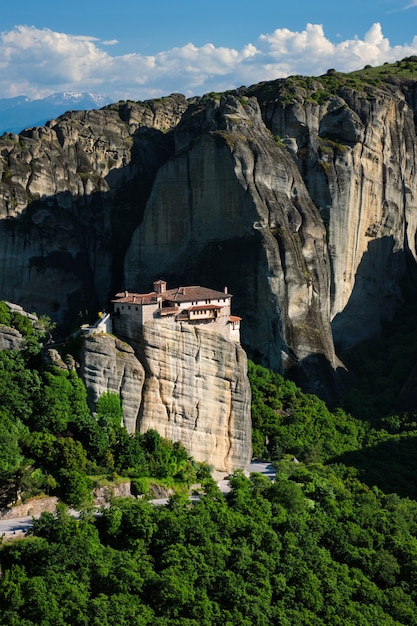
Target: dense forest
{"points": [[50, 441], [332, 540]]}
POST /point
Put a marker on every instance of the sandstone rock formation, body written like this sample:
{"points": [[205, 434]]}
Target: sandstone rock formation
{"points": [[109, 364], [187, 383], [297, 194], [233, 206], [357, 155], [10, 338]]}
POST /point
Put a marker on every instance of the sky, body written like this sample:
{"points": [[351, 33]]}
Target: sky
{"points": [[139, 50]]}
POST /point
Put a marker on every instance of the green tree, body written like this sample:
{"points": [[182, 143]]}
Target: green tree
{"points": [[128, 453], [21, 323], [10, 452], [109, 411], [76, 487], [5, 317]]}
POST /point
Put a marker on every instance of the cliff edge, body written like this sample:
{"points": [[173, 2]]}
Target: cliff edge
{"points": [[188, 383]]}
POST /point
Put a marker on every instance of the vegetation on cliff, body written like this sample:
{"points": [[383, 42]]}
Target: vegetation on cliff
{"points": [[51, 443], [322, 88]]}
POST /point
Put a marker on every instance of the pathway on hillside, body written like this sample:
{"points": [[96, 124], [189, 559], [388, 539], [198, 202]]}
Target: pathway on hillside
{"points": [[19, 525]]}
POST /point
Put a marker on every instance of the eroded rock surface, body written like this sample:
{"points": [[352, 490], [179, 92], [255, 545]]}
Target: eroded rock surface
{"points": [[10, 338], [187, 383], [303, 204], [109, 364], [70, 194], [357, 155], [197, 392]]}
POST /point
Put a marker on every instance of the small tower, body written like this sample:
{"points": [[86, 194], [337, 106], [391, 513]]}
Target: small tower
{"points": [[160, 286]]}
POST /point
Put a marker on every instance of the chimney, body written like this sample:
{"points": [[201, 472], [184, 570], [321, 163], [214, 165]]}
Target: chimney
{"points": [[126, 293], [225, 290]]}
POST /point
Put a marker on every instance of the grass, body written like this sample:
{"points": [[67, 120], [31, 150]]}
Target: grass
{"points": [[106, 480], [320, 89], [230, 138], [328, 146]]}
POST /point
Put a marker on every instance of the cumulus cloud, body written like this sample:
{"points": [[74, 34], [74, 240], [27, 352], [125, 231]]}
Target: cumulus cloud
{"points": [[310, 52], [36, 62]]}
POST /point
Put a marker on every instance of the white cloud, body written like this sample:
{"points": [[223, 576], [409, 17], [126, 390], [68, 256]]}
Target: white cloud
{"points": [[36, 62], [310, 52]]}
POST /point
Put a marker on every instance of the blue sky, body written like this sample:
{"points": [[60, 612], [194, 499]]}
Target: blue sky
{"points": [[135, 51]]}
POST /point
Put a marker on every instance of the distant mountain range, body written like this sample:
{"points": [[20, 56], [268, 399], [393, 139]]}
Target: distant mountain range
{"points": [[22, 112]]}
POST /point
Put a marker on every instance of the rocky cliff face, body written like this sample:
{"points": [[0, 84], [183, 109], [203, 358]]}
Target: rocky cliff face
{"points": [[187, 383], [356, 152], [70, 195], [233, 205], [10, 338], [298, 195], [109, 364]]}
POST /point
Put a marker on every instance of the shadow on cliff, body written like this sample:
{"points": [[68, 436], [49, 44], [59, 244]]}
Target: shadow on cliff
{"points": [[376, 293], [384, 281], [240, 264], [72, 246], [315, 374], [390, 465]]}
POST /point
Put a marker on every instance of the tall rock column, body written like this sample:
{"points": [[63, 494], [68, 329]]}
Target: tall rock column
{"points": [[357, 154], [109, 364], [187, 383], [196, 391]]}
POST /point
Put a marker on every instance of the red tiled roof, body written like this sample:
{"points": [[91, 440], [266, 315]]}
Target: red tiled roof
{"points": [[135, 298], [192, 293], [235, 318], [205, 307], [168, 310]]}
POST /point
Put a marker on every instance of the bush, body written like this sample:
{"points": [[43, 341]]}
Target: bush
{"points": [[140, 486], [5, 314]]}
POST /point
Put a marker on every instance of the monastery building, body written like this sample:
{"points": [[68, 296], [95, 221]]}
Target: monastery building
{"points": [[191, 305]]}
